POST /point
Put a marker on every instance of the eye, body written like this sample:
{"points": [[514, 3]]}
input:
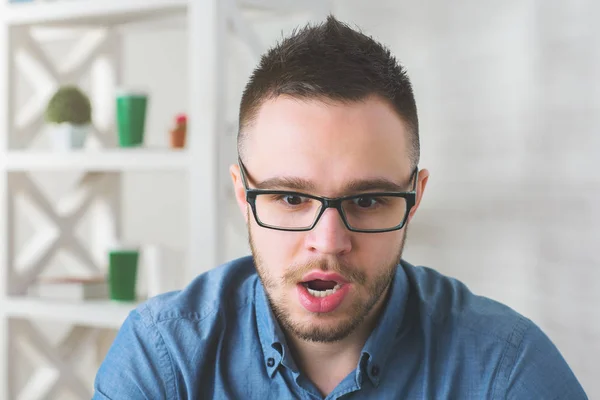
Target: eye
{"points": [[365, 202], [293, 200]]}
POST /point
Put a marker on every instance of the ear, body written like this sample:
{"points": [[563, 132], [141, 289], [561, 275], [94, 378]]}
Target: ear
{"points": [[421, 184], [239, 190]]}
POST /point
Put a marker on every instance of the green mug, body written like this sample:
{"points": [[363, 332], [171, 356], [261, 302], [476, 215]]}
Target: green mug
{"points": [[122, 274], [131, 118]]}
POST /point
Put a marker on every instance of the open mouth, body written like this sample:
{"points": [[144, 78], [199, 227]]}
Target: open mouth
{"points": [[322, 292], [321, 288]]}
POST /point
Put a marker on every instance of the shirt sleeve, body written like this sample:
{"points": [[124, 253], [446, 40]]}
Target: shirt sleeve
{"points": [[138, 365], [538, 369]]}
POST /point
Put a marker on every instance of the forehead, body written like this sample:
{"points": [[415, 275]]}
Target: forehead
{"points": [[327, 142]]}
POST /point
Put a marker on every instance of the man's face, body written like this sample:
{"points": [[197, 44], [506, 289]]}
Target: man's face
{"points": [[321, 149]]}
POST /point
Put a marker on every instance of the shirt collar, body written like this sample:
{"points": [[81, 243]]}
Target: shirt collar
{"points": [[375, 351]]}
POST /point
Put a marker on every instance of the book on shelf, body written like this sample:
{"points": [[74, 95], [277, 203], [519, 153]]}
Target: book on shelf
{"points": [[71, 288]]}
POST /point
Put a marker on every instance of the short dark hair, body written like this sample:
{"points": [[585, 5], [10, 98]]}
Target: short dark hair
{"points": [[331, 61]]}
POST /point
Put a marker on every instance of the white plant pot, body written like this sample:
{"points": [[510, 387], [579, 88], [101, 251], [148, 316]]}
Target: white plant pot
{"points": [[67, 136]]}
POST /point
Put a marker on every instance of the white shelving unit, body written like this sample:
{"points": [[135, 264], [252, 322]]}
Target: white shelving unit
{"points": [[105, 160], [91, 12], [98, 314], [207, 23]]}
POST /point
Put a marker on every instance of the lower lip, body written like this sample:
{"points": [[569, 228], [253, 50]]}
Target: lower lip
{"points": [[322, 304]]}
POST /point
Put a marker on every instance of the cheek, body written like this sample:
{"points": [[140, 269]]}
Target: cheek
{"points": [[379, 250], [277, 249]]}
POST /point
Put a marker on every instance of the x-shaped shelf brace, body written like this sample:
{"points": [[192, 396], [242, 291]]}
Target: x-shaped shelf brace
{"points": [[56, 369], [33, 62], [40, 250]]}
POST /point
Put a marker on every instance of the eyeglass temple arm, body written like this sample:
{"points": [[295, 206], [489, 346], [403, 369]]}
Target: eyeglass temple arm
{"points": [[416, 176], [243, 173]]}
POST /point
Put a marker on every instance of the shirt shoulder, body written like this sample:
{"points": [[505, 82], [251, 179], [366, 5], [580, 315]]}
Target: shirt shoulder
{"points": [[448, 301], [520, 359], [165, 343]]}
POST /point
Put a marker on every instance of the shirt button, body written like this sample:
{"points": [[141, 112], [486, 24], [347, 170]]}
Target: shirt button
{"points": [[375, 370], [270, 362]]}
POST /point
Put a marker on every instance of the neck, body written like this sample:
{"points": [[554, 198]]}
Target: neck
{"points": [[327, 364]]}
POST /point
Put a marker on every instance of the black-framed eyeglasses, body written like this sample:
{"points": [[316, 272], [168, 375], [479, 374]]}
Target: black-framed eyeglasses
{"points": [[370, 212]]}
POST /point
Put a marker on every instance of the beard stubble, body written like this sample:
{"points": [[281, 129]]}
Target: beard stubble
{"points": [[359, 309]]}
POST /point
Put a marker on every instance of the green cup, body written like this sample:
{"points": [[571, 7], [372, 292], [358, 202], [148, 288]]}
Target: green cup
{"points": [[131, 118], [122, 274]]}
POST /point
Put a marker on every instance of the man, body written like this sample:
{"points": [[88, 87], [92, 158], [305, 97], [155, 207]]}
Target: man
{"points": [[328, 182]]}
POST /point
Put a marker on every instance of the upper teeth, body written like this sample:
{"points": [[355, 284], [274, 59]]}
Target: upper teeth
{"points": [[324, 293]]}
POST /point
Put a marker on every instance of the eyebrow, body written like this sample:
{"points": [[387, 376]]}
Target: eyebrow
{"points": [[377, 184], [283, 183], [355, 186]]}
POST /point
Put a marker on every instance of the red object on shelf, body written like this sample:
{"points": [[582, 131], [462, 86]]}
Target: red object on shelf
{"points": [[179, 132]]}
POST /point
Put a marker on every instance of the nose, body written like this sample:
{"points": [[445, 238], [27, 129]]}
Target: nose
{"points": [[330, 236]]}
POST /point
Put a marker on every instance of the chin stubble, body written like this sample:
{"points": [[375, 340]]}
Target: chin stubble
{"points": [[314, 332]]}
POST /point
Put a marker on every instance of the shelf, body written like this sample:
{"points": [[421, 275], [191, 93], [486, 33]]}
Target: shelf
{"points": [[135, 159], [99, 314], [90, 12]]}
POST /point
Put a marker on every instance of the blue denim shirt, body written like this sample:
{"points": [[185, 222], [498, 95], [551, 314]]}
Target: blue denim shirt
{"points": [[218, 339]]}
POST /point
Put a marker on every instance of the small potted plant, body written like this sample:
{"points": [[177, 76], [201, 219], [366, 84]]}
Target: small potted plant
{"points": [[69, 117]]}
